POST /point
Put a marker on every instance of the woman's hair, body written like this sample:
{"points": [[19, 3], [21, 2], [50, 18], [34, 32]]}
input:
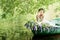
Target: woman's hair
{"points": [[41, 9]]}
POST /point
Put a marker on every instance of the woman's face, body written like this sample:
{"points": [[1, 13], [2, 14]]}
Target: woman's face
{"points": [[41, 12]]}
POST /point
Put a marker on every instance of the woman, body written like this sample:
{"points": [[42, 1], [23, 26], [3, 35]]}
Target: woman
{"points": [[40, 15], [39, 18]]}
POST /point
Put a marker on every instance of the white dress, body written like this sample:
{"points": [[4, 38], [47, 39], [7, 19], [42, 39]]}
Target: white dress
{"points": [[39, 22]]}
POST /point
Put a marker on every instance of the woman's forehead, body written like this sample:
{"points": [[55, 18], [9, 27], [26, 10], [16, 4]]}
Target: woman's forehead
{"points": [[41, 11]]}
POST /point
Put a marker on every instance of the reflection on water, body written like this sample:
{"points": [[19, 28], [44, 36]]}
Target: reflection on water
{"points": [[46, 37]]}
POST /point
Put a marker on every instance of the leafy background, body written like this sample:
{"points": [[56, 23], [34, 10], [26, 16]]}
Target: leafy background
{"points": [[15, 13]]}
